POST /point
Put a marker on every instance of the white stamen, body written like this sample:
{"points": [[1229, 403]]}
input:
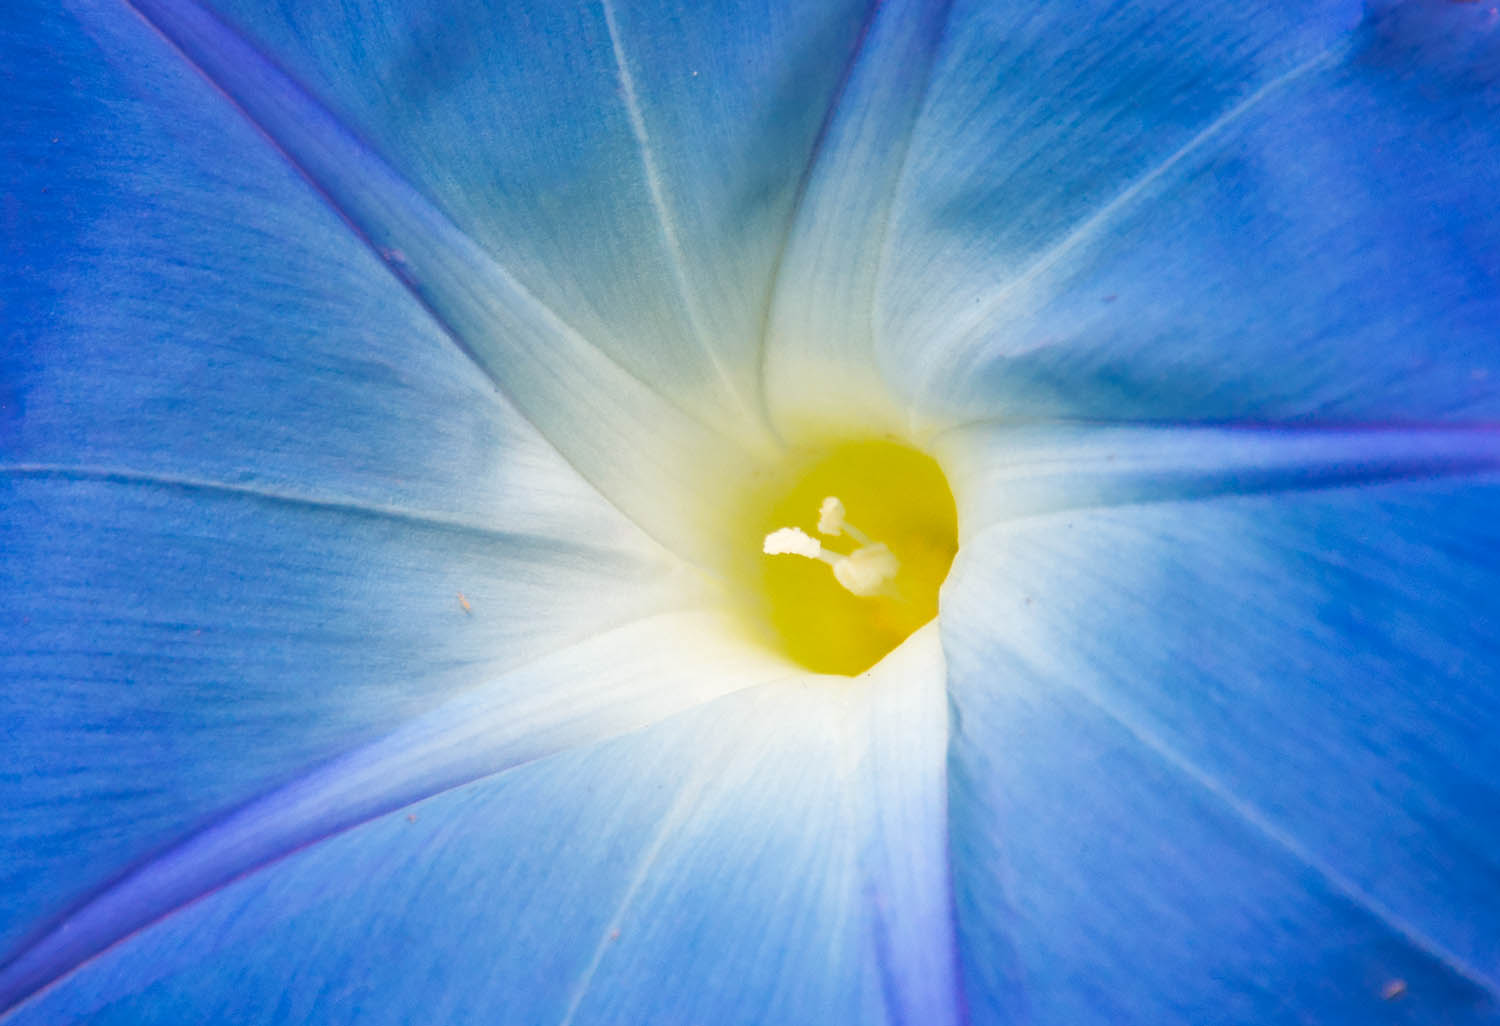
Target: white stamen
{"points": [[864, 572], [789, 541], [831, 521], [831, 516], [867, 570]]}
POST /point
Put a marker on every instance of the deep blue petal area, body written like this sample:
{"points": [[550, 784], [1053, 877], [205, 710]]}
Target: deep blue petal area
{"points": [[1174, 210], [247, 487], [1231, 760], [178, 301], [699, 871], [634, 165]]}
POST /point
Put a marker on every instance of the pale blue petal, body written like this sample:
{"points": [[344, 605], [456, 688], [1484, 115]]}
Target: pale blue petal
{"points": [[1231, 760], [902, 778], [819, 345], [634, 164], [612, 684], [699, 871], [972, 134], [1180, 211]]}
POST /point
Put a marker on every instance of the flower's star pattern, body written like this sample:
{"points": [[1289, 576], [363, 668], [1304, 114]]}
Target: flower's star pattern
{"points": [[373, 380]]}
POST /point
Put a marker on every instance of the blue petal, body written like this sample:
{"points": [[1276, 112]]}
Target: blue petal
{"points": [[1238, 214], [903, 782], [179, 302], [1008, 472], [590, 408], [633, 164], [1231, 760], [171, 650], [819, 359], [246, 485], [701, 870], [616, 682]]}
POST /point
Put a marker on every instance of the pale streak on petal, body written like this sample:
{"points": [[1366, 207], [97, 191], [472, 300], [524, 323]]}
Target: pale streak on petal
{"points": [[667, 221], [960, 333], [1007, 472], [618, 682], [1267, 828], [584, 404], [908, 874], [676, 815], [681, 809], [819, 344], [257, 492]]}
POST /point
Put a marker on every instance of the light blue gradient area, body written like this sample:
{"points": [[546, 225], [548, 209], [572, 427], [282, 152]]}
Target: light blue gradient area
{"points": [[635, 165], [697, 871], [1221, 700]]}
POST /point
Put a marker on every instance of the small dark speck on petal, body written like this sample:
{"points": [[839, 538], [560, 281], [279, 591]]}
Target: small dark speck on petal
{"points": [[1394, 989], [411, 817]]}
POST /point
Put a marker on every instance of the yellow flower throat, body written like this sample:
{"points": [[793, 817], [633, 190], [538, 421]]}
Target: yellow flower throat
{"points": [[855, 540]]}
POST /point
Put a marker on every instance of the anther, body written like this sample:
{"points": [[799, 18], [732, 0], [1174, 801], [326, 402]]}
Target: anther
{"points": [[832, 523]]}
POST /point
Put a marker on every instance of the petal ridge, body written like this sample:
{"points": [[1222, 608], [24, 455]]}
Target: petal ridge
{"points": [[1010, 472], [681, 807], [819, 339], [521, 717], [804, 182], [665, 219], [1266, 827], [906, 859], [547, 370], [972, 321], [265, 493]]}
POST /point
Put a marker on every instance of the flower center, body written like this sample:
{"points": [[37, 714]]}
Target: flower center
{"points": [[855, 541]]}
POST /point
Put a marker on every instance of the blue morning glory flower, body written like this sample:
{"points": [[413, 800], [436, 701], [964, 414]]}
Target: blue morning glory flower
{"points": [[868, 511]]}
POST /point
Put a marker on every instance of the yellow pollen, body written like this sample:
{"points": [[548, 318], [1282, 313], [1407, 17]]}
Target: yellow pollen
{"points": [[840, 603]]}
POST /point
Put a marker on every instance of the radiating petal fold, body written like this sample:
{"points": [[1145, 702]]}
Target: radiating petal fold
{"points": [[614, 683], [634, 165], [902, 778], [255, 509], [1007, 472], [586, 405], [178, 302], [702, 868], [171, 649], [1188, 211], [820, 336], [1230, 759]]}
